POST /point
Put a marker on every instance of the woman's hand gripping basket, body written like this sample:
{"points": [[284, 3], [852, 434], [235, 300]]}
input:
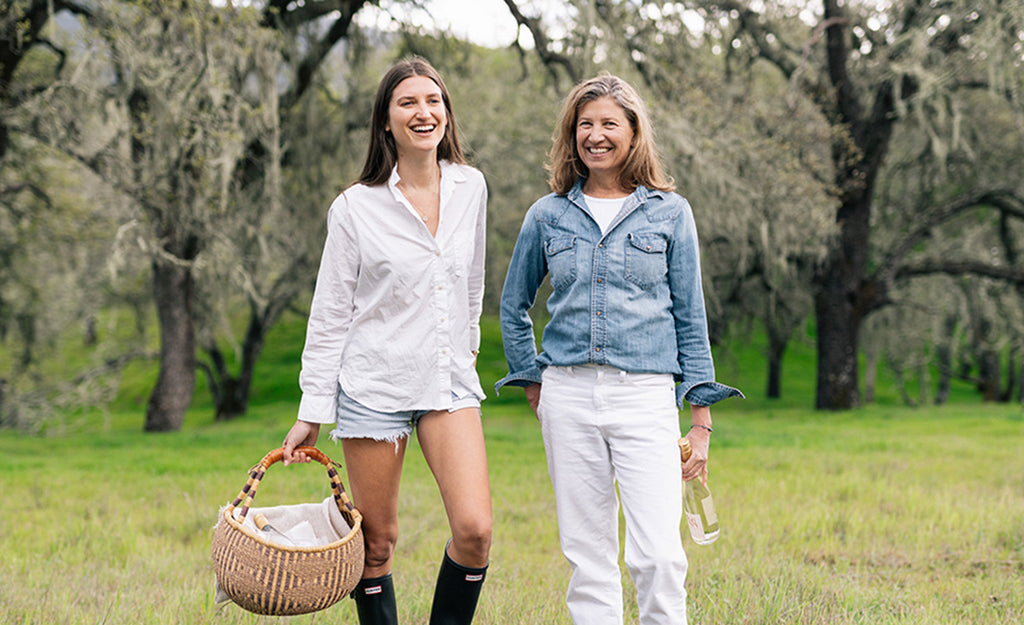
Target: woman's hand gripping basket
{"points": [[269, 578]]}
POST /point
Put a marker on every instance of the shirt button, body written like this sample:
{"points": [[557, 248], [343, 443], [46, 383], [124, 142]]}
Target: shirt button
{"points": [[599, 280], [599, 313], [597, 349]]}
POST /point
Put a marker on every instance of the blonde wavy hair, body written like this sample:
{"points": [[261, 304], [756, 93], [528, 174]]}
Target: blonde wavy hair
{"points": [[643, 165]]}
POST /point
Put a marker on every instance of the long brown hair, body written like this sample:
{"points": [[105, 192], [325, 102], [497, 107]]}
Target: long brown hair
{"points": [[382, 155], [642, 166]]}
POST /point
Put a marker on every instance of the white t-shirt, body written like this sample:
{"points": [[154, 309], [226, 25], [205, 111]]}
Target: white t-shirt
{"points": [[604, 210], [395, 317]]}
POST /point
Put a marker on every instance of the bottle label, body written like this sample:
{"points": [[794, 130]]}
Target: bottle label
{"points": [[696, 526], [708, 504]]}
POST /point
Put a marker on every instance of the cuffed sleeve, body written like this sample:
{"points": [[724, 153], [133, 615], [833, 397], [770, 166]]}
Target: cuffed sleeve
{"points": [[318, 408], [525, 378], [705, 393]]}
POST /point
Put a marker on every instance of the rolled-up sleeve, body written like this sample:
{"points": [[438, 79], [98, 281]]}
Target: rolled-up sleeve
{"points": [[705, 393]]}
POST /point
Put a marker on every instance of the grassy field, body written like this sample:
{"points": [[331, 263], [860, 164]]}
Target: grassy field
{"points": [[882, 515]]}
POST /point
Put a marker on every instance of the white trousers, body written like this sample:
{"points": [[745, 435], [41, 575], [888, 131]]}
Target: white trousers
{"points": [[602, 426]]}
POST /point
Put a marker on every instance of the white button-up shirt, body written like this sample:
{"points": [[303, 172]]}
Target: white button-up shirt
{"points": [[395, 317]]}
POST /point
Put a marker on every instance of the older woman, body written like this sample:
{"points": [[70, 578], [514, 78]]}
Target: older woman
{"points": [[392, 339], [625, 346]]}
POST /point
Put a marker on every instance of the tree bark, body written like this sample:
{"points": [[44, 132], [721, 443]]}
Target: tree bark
{"points": [[174, 292], [776, 350], [1011, 377], [1020, 382], [944, 354], [837, 341], [989, 378], [232, 395]]}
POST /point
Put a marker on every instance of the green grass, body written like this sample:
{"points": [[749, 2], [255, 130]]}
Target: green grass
{"points": [[881, 515]]}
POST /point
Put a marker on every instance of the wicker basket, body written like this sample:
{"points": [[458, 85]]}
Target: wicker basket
{"points": [[267, 578]]}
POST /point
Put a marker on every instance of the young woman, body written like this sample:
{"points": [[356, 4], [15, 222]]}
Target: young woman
{"points": [[627, 324], [393, 334]]}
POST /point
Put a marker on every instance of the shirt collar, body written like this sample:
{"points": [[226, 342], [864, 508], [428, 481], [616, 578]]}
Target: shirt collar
{"points": [[640, 194], [450, 176]]}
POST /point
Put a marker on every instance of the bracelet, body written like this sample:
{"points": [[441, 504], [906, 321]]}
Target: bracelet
{"points": [[699, 425]]}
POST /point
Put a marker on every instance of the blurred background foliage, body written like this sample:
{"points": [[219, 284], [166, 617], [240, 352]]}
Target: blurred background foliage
{"points": [[855, 168]]}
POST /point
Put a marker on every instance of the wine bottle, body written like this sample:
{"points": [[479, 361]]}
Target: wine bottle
{"points": [[701, 517], [271, 533]]}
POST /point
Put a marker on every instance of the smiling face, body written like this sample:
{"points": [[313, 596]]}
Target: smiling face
{"points": [[416, 115], [604, 137]]}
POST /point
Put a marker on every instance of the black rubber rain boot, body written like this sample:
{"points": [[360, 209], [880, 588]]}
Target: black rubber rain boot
{"points": [[456, 594], [375, 601]]}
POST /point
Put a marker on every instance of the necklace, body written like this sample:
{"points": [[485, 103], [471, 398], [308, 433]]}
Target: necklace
{"points": [[410, 195]]}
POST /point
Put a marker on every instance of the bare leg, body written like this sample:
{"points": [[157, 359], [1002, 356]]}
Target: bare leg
{"points": [[374, 470], [453, 445]]}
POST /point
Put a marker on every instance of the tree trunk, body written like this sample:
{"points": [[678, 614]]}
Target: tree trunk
{"points": [[845, 292], [842, 297], [989, 379], [1011, 377], [1020, 382], [944, 354], [901, 383], [838, 338], [233, 401], [3, 398], [985, 357], [924, 383], [776, 350], [232, 393], [173, 290]]}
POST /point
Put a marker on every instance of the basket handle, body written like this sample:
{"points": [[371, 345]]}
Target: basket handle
{"points": [[248, 492]]}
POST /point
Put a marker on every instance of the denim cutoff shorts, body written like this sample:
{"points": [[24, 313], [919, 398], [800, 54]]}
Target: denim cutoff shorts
{"points": [[354, 420]]}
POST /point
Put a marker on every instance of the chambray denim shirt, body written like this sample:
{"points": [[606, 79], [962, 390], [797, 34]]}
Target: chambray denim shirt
{"points": [[630, 298]]}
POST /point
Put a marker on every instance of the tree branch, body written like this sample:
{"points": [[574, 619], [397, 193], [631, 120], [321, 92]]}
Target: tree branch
{"points": [[284, 15], [838, 53], [111, 365], [30, 188], [1006, 201], [763, 33], [1010, 275], [542, 44], [289, 15], [211, 379], [94, 164]]}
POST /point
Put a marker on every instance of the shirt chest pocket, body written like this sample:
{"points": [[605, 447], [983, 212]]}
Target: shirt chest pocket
{"points": [[646, 259], [456, 259], [560, 253]]}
